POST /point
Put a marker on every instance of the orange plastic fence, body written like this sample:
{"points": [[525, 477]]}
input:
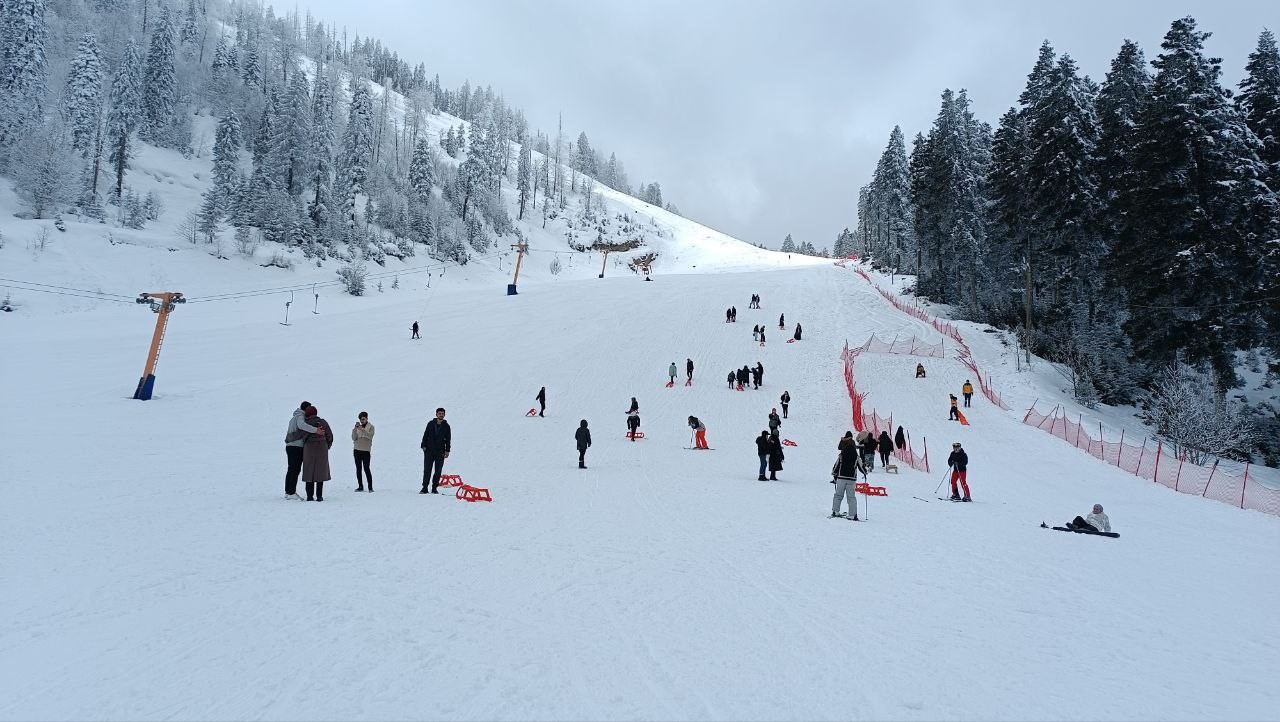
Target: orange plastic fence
{"points": [[862, 421], [1155, 463]]}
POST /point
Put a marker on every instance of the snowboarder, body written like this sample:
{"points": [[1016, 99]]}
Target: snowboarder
{"points": [[959, 463], [672, 373], [699, 433], [315, 453], [294, 441], [633, 423], [955, 411], [1096, 521], [900, 439], [775, 421], [798, 332], [884, 445], [920, 371], [688, 369], [583, 437], [846, 479], [786, 401], [782, 322], [967, 390], [362, 441], [762, 450], [542, 400], [435, 449], [776, 456], [414, 328], [867, 444], [759, 374]]}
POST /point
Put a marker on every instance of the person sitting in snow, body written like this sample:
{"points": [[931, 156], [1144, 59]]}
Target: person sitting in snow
{"points": [[1096, 521], [920, 371]]}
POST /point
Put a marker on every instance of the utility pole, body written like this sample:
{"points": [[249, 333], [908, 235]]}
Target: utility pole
{"points": [[162, 304], [521, 248], [316, 308]]}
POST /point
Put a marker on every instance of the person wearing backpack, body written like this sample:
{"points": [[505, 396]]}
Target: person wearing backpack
{"points": [[315, 453]]}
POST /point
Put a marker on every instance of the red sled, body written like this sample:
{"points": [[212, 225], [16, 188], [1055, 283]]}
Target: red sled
{"points": [[863, 488], [960, 416], [637, 435], [689, 382], [472, 493], [670, 384], [450, 480], [791, 340], [788, 442], [532, 412]]}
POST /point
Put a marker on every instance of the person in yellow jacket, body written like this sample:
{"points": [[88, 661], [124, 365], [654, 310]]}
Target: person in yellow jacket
{"points": [[967, 390], [955, 412]]}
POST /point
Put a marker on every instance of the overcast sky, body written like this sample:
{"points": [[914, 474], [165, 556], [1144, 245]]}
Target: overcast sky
{"points": [[764, 118]]}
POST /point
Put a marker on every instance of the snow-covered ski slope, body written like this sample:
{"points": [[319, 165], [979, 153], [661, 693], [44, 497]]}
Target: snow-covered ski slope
{"points": [[153, 571]]}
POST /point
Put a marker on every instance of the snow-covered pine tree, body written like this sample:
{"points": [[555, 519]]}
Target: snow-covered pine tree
{"points": [[357, 151], [1193, 213], [125, 112], [889, 204], [160, 85], [294, 134], [24, 67], [320, 171], [191, 34], [226, 163], [788, 245], [1259, 101], [1007, 214], [422, 169], [524, 180], [585, 156], [82, 100], [250, 70], [1121, 99], [212, 209]]}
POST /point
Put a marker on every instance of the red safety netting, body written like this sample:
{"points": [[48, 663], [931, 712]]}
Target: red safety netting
{"points": [[1153, 462], [874, 422], [946, 329]]}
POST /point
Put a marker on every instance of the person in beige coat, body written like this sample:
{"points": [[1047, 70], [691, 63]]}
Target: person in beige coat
{"points": [[315, 453], [362, 439]]}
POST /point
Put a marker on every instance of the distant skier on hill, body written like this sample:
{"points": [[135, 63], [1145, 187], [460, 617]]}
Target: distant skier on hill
{"points": [[955, 412], [583, 438], [959, 463], [414, 329], [785, 399], [699, 433], [967, 390]]}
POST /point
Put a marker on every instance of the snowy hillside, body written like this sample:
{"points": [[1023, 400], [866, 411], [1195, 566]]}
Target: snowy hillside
{"points": [[161, 574]]}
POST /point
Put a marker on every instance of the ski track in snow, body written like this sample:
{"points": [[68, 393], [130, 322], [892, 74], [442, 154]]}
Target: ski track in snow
{"points": [[154, 572]]}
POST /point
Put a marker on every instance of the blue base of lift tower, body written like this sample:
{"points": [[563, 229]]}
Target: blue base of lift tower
{"points": [[511, 289], [145, 385]]}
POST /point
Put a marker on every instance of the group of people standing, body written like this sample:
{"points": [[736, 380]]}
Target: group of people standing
{"points": [[309, 437], [740, 378]]}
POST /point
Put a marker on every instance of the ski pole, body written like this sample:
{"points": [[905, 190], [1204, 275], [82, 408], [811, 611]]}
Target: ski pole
{"points": [[944, 480]]}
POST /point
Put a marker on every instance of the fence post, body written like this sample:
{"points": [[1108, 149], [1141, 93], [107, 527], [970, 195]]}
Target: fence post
{"points": [[926, 455], [1155, 475], [1141, 455], [1178, 481], [1102, 443], [1120, 448], [1210, 481], [1244, 486], [1030, 409], [1079, 425]]}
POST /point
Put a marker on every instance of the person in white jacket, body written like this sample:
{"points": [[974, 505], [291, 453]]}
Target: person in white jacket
{"points": [[1097, 520], [362, 440]]}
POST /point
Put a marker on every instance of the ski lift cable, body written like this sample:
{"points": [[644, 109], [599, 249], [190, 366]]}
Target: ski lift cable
{"points": [[99, 294]]}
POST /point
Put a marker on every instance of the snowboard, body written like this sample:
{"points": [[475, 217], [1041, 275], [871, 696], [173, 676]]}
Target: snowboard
{"points": [[1111, 534]]}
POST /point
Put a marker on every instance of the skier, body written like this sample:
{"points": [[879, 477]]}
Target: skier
{"points": [[733, 377], [362, 441], [688, 369], [967, 390], [633, 424], [775, 421], [759, 374], [672, 373], [294, 441], [542, 400], [782, 322], [867, 444], [920, 371], [955, 412], [798, 331], [900, 439], [775, 456], [762, 451], [700, 433], [845, 477], [315, 453], [435, 449], [583, 437], [786, 401], [1096, 521], [884, 445], [959, 463], [414, 328]]}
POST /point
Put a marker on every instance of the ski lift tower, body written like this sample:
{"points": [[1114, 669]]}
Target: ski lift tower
{"points": [[162, 304]]}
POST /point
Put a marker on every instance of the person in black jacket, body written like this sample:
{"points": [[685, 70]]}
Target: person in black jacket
{"points": [[435, 449], [786, 401], [583, 437], [744, 377], [733, 314], [762, 450], [868, 448], [774, 420], [759, 374], [728, 316], [900, 439], [846, 479], [776, 456], [884, 445], [733, 378], [542, 400], [798, 332], [688, 368], [633, 424], [959, 463], [782, 322], [635, 405]]}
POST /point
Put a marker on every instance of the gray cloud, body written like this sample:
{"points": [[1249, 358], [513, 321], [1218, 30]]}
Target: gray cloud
{"points": [[763, 118]]}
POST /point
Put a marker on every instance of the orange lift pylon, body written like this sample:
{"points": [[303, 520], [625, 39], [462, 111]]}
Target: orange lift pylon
{"points": [[162, 305], [520, 248]]}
